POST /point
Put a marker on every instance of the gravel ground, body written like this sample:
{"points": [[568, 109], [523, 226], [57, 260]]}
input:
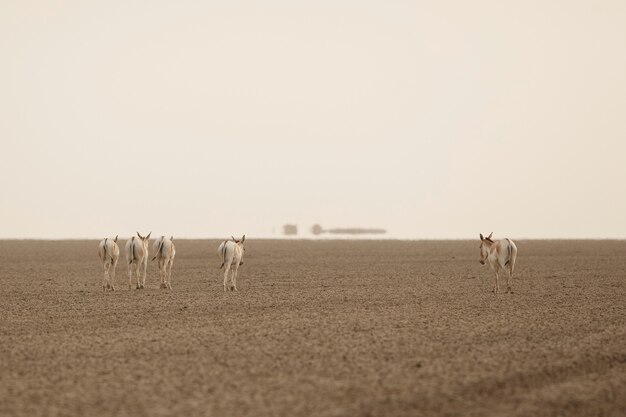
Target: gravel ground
{"points": [[317, 328]]}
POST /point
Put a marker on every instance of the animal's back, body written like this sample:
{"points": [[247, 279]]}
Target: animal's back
{"points": [[107, 248], [220, 249], [101, 250], [225, 248], [134, 250], [225, 252], [113, 249], [164, 248]]}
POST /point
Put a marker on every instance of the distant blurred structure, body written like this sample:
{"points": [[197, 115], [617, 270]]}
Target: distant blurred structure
{"points": [[316, 229], [290, 229], [357, 231]]}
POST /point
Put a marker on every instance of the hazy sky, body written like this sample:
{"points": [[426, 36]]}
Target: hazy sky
{"points": [[432, 119]]}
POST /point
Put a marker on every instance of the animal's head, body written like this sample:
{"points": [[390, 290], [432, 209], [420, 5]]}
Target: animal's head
{"points": [[239, 241], [485, 244], [144, 239]]}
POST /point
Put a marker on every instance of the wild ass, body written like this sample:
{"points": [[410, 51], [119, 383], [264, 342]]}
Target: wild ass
{"points": [[165, 251], [231, 252], [501, 255], [137, 254], [109, 254]]}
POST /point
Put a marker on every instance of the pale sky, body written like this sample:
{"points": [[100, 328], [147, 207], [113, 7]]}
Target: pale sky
{"points": [[431, 119]]}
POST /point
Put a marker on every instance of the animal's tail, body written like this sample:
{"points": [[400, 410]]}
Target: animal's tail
{"points": [[105, 250], [223, 254], [132, 250], [159, 249]]}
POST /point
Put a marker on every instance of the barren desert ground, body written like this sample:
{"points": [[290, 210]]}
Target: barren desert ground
{"points": [[317, 328]]}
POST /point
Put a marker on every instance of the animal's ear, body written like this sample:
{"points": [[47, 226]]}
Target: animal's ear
{"points": [[115, 240], [489, 237], [140, 237], [172, 238], [148, 237], [243, 238], [233, 237], [481, 237]]}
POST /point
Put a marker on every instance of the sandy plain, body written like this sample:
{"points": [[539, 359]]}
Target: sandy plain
{"points": [[317, 328]]}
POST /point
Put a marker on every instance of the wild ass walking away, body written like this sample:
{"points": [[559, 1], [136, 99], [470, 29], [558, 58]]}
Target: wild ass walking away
{"points": [[109, 254], [501, 255], [231, 252], [164, 251], [137, 255]]}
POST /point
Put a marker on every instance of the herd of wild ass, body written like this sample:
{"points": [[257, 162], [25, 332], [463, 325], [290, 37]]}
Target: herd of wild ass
{"points": [[231, 252], [500, 254]]}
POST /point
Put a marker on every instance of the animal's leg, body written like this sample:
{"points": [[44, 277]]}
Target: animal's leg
{"points": [[138, 273], [161, 279], [130, 276], [145, 269], [496, 286], [105, 280], [164, 277], [108, 276], [226, 270], [112, 277], [233, 286], [140, 278], [138, 268], [509, 281], [169, 274]]}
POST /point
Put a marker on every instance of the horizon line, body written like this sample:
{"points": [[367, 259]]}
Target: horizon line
{"points": [[329, 238]]}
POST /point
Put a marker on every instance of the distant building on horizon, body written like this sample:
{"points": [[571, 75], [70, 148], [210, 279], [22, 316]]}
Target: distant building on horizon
{"points": [[316, 229], [290, 229]]}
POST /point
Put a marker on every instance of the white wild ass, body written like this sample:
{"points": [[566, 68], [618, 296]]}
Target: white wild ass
{"points": [[137, 255], [501, 255], [231, 252], [109, 254], [164, 251]]}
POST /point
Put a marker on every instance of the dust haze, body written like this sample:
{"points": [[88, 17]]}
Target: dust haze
{"points": [[426, 119]]}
